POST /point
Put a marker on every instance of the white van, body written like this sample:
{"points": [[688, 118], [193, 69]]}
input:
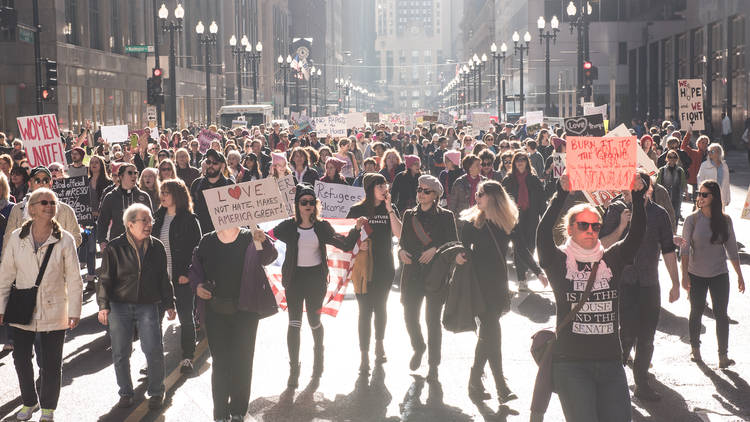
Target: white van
{"points": [[254, 114]]}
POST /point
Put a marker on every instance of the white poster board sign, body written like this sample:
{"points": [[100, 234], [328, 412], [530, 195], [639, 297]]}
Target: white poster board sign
{"points": [[117, 133], [287, 189], [690, 98], [590, 110], [480, 120], [354, 120], [329, 125], [41, 138], [558, 164], [246, 204], [534, 118], [336, 199]]}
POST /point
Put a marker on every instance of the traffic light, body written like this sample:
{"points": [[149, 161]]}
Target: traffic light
{"points": [[153, 87], [590, 72], [49, 85]]}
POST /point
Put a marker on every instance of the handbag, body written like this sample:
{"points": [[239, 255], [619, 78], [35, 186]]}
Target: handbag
{"points": [[22, 302], [506, 306]]}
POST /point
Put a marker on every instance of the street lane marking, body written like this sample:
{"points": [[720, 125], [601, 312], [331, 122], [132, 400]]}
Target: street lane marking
{"points": [[169, 382]]}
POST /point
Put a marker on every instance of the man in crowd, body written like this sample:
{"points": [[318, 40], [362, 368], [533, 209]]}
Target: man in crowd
{"points": [[76, 167], [214, 177], [109, 225]]}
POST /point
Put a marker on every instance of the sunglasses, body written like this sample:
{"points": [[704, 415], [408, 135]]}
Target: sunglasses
{"points": [[53, 170], [42, 180], [45, 202], [425, 191], [212, 163], [307, 202], [486, 164], [506, 162], [131, 173], [704, 194], [584, 226]]}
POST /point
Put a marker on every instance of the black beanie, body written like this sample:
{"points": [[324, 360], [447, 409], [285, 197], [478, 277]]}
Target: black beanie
{"points": [[303, 189]]}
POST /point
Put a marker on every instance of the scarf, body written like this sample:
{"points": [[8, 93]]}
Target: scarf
{"points": [[523, 191], [719, 173], [575, 253], [473, 183]]}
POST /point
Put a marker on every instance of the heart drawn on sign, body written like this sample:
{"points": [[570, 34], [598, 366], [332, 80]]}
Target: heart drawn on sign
{"points": [[235, 192], [576, 126]]}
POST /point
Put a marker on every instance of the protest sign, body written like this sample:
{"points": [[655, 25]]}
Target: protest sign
{"points": [[330, 125], [601, 163], [591, 110], [643, 161], [480, 120], [690, 97], [354, 120], [619, 132], [239, 123], [601, 198], [585, 125], [534, 118], [373, 117], [433, 118], [558, 164], [41, 138], [746, 207], [336, 199], [287, 189], [74, 191], [115, 134], [205, 137], [245, 204], [444, 118]]}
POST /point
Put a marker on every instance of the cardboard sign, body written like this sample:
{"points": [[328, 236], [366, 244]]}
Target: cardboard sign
{"points": [[591, 110], [534, 118], [481, 121], [330, 125], [585, 125], [354, 120], [41, 139], [246, 204], [115, 134], [287, 189], [239, 123], [690, 98], [74, 191], [205, 137], [601, 198], [646, 163], [619, 132], [372, 117], [558, 164], [595, 164], [336, 199]]}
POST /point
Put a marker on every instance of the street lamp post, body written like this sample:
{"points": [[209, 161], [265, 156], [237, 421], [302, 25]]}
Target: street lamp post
{"points": [[519, 49], [547, 36], [285, 65], [317, 76], [237, 52], [207, 40], [499, 75], [172, 27], [254, 57], [579, 18], [313, 69]]}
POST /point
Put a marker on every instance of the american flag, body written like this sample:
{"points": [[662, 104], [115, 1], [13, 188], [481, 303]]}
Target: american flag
{"points": [[339, 266]]}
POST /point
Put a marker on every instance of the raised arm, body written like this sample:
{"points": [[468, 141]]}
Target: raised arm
{"points": [[545, 242]]}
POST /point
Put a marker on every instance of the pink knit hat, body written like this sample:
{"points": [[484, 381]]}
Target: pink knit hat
{"points": [[410, 160], [337, 162], [278, 158], [454, 156]]}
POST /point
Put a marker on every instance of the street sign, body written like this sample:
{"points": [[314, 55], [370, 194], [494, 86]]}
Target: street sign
{"points": [[151, 113], [139, 48], [26, 35]]}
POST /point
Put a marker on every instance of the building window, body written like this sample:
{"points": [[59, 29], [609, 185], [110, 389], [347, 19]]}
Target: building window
{"points": [[622, 53], [95, 31], [97, 106], [72, 33], [116, 27]]}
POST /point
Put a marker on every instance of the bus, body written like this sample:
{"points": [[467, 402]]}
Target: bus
{"points": [[254, 114]]}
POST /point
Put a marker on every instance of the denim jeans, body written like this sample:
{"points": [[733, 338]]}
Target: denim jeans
{"points": [[184, 302], [719, 288], [122, 318], [595, 391]]}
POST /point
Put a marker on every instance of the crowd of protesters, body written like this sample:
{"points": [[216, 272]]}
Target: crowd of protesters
{"points": [[452, 196]]}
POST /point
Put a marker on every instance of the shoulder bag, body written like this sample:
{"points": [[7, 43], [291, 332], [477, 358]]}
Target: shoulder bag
{"points": [[22, 302]]}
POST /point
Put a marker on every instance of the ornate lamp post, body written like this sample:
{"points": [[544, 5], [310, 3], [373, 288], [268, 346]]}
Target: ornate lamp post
{"points": [[172, 27], [254, 58], [519, 49], [237, 52], [285, 65], [579, 19], [547, 36], [499, 75], [207, 40]]}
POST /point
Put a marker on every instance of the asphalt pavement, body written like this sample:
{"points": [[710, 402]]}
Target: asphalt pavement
{"points": [[394, 393]]}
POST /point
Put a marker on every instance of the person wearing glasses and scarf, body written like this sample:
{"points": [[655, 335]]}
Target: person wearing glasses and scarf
{"points": [[116, 202], [425, 229]]}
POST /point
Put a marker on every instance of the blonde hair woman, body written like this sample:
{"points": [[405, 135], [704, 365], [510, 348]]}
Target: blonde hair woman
{"points": [[490, 226]]}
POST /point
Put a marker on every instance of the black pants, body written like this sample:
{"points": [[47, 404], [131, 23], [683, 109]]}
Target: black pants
{"points": [[231, 340], [412, 296], [527, 224], [50, 375], [719, 288], [373, 303], [184, 302], [308, 289], [488, 349], [639, 315]]}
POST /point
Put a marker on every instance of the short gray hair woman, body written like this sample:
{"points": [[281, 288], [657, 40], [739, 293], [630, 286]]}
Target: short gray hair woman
{"points": [[715, 168]]}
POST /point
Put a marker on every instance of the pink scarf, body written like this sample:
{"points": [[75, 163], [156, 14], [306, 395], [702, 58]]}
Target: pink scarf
{"points": [[473, 183]]}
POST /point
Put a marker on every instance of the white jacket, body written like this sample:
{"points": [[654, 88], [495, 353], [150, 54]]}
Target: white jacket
{"points": [[65, 216], [708, 172], [61, 290]]}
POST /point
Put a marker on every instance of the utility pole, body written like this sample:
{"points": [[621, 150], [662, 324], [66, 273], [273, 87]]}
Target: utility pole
{"points": [[38, 58]]}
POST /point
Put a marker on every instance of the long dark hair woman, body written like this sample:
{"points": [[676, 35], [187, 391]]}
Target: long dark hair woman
{"points": [[98, 182], [178, 229], [426, 228], [252, 170], [708, 239], [528, 192], [372, 293], [304, 274], [587, 369], [489, 227]]}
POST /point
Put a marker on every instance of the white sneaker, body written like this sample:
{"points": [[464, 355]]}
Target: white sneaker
{"points": [[25, 413]]}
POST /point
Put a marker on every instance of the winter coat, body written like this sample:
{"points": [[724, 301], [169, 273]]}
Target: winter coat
{"points": [[537, 195], [404, 190], [113, 207], [65, 216], [460, 196], [60, 292], [709, 171], [464, 301]]}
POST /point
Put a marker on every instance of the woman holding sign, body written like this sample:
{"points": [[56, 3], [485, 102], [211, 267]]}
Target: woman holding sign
{"points": [[304, 274], [587, 357]]}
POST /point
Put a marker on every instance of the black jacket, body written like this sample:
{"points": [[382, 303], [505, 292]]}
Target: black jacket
{"points": [[537, 195], [287, 232], [125, 278], [199, 201], [184, 235], [404, 190], [440, 225], [113, 206]]}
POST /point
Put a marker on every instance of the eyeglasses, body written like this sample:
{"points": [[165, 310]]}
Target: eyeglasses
{"points": [[425, 191], [146, 221], [584, 226], [307, 202], [704, 194], [42, 180], [131, 173], [54, 170], [486, 164], [45, 202]]}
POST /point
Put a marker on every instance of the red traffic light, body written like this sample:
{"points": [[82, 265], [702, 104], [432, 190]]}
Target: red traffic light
{"points": [[587, 65], [45, 94], [157, 72]]}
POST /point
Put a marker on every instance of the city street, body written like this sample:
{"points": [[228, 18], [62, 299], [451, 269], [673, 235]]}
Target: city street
{"points": [[691, 392]]}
